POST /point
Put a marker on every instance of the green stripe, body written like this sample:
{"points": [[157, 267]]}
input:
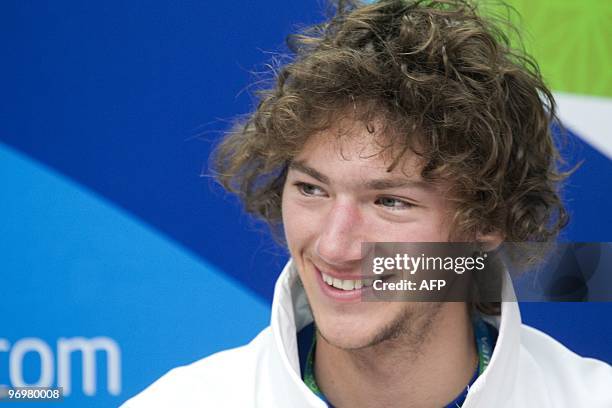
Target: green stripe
{"points": [[570, 40]]}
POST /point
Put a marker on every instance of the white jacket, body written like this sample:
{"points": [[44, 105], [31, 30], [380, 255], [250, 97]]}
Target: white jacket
{"points": [[528, 369]]}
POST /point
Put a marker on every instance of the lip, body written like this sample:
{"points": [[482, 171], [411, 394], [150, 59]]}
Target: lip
{"points": [[343, 276], [345, 296], [339, 295]]}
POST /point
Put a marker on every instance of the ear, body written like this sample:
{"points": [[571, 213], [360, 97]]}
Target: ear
{"points": [[490, 240]]}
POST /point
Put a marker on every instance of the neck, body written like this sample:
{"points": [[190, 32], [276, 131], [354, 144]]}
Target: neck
{"points": [[395, 373]]}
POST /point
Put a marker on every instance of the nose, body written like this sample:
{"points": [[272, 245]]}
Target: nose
{"points": [[339, 243]]}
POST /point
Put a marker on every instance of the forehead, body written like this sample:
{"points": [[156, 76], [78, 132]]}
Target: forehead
{"points": [[361, 149]]}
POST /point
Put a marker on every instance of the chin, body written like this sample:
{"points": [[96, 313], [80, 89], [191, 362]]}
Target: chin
{"points": [[410, 321], [342, 339], [348, 333]]}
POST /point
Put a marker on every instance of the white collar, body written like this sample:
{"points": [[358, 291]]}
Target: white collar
{"points": [[291, 312]]}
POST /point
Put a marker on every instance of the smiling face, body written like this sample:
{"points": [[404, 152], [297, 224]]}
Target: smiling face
{"points": [[338, 194]]}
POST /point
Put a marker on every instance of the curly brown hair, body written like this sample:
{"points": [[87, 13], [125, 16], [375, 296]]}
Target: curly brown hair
{"points": [[448, 83]]}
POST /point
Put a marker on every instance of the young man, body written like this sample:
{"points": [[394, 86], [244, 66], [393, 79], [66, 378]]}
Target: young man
{"points": [[397, 121]]}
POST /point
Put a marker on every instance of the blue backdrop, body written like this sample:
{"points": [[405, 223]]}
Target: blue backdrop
{"points": [[118, 260]]}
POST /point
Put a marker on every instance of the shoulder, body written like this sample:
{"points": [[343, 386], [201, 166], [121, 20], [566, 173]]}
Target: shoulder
{"points": [[226, 378], [569, 379]]}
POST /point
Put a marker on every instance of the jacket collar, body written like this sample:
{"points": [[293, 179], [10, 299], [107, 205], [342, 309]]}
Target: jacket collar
{"points": [[291, 312]]}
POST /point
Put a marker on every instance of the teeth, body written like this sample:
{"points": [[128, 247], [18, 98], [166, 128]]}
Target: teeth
{"points": [[348, 285], [345, 284], [328, 279]]}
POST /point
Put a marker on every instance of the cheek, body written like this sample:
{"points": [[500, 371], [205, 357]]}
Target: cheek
{"points": [[439, 227], [295, 223], [428, 228]]}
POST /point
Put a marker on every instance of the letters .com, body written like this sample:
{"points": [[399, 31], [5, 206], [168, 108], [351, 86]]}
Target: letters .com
{"points": [[65, 347]]}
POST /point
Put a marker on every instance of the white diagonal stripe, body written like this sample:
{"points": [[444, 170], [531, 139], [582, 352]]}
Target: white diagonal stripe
{"points": [[590, 117]]}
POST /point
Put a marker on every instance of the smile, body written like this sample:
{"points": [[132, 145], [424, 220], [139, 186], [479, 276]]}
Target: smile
{"points": [[345, 284]]}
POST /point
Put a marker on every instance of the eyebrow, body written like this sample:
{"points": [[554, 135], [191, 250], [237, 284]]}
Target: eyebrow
{"points": [[300, 166], [385, 184], [374, 184]]}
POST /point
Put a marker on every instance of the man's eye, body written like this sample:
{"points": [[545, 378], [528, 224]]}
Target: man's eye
{"points": [[309, 189], [393, 203]]}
